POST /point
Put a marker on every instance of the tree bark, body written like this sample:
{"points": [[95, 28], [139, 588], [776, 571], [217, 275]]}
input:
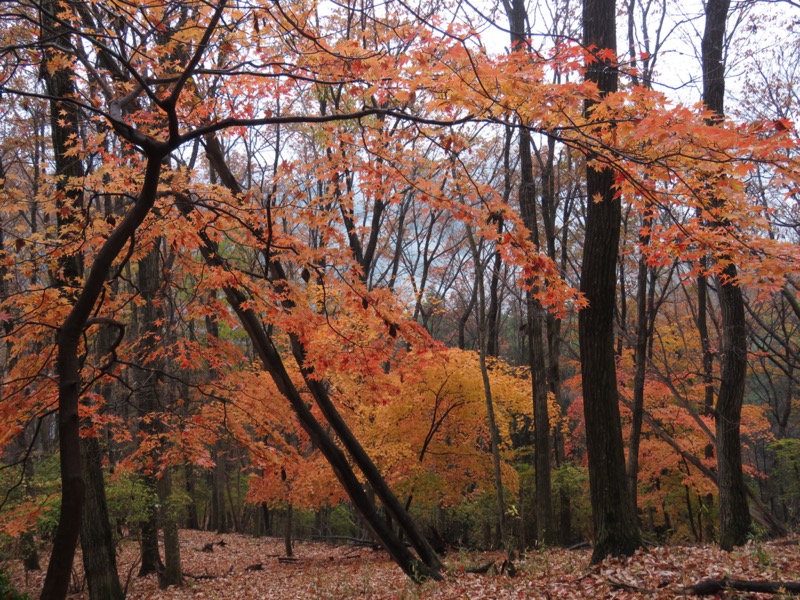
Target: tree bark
{"points": [[545, 529], [734, 525], [616, 530], [640, 354], [64, 123], [97, 542], [172, 574]]}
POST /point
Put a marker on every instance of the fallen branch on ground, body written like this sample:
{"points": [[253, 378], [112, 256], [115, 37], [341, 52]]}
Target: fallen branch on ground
{"points": [[714, 586]]}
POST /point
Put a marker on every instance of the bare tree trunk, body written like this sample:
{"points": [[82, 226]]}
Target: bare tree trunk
{"points": [[494, 436], [172, 574], [733, 509], [64, 123], [517, 16], [640, 358], [616, 529], [97, 542]]}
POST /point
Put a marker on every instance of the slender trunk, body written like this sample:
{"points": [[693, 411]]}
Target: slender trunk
{"points": [[640, 358], [494, 436], [517, 16], [734, 512], [287, 533], [616, 529], [172, 551]]}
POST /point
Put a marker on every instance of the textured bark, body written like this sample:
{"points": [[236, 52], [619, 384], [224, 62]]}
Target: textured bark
{"points": [[64, 123], [147, 392], [734, 513], [616, 530], [172, 574], [97, 542], [545, 528], [640, 354]]}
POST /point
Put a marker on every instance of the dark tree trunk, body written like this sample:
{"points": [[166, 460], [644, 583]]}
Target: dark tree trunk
{"points": [[149, 555], [545, 528], [708, 373], [734, 512], [68, 372], [172, 551], [640, 354], [616, 530], [64, 126], [147, 394], [97, 542], [287, 532]]}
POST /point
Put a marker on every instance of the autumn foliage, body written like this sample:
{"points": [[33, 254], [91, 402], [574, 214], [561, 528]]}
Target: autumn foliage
{"points": [[304, 197]]}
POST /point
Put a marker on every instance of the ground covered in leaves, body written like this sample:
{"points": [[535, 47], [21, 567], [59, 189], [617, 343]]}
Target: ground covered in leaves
{"points": [[331, 572]]}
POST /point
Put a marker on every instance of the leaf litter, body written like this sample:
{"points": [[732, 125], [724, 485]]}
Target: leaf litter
{"points": [[248, 567]]}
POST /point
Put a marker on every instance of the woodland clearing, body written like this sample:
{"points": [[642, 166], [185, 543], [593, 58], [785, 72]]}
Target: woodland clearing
{"points": [[325, 571]]}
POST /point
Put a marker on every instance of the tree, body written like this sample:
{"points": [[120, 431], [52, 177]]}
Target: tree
{"points": [[734, 513], [616, 528]]}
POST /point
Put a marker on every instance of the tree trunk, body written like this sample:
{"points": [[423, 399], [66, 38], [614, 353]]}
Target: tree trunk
{"points": [[97, 542], [149, 555], [65, 119], [545, 530], [640, 354], [147, 395], [287, 532], [494, 436], [172, 551], [734, 512], [616, 530]]}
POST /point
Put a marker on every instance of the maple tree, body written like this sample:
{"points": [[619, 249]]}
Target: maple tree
{"points": [[257, 225]]}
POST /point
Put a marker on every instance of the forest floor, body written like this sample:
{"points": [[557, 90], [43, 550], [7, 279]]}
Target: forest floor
{"points": [[343, 572]]}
